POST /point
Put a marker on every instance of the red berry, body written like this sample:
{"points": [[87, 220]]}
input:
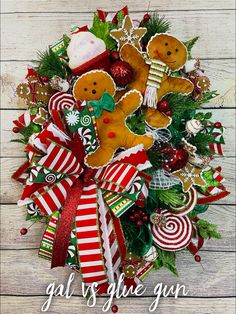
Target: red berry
{"points": [[132, 218], [197, 258], [16, 129], [217, 125], [145, 218], [45, 79], [115, 56], [23, 231], [114, 308], [139, 223], [136, 215], [146, 17], [163, 106], [168, 113], [140, 212]]}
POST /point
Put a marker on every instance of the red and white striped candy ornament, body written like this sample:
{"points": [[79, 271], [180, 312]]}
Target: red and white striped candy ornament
{"points": [[175, 234], [189, 201], [60, 101]]}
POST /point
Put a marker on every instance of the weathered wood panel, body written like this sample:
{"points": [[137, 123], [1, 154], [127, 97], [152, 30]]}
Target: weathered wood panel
{"points": [[220, 72], [13, 219], [109, 5], [77, 305], [32, 274], [25, 33]]}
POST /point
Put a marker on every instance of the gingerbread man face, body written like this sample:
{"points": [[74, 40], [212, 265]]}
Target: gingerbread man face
{"points": [[92, 85], [167, 49]]}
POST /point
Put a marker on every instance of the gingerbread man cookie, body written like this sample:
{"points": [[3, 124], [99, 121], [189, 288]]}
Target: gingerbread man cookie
{"points": [[112, 130], [152, 76]]}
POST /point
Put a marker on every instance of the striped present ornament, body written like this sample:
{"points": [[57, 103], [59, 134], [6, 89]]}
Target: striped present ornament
{"points": [[213, 193]]}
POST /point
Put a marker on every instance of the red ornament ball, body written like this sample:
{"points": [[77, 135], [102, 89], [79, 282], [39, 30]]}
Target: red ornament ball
{"points": [[146, 17], [16, 129], [163, 106], [114, 308], [197, 258], [122, 73], [217, 125], [23, 231], [175, 159], [115, 56]]}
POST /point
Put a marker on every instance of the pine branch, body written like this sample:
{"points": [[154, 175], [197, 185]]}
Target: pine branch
{"points": [[189, 45], [156, 25], [169, 197], [50, 64], [202, 141]]}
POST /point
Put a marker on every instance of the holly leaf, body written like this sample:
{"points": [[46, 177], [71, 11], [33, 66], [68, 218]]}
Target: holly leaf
{"points": [[102, 30], [207, 230], [198, 209], [166, 259]]}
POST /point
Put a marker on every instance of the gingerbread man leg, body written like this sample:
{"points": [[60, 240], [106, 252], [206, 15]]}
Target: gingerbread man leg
{"points": [[100, 157], [133, 140], [156, 118]]}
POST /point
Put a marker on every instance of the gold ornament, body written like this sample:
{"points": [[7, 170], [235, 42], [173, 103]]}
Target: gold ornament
{"points": [[128, 34], [189, 175]]}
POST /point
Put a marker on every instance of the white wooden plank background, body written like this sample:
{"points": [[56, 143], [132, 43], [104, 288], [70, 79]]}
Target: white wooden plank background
{"points": [[28, 26]]}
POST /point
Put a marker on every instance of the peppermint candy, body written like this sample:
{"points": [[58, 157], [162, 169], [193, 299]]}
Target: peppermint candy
{"points": [[61, 101], [175, 235], [33, 210], [189, 200]]}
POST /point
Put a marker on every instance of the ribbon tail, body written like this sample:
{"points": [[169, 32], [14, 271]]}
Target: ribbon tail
{"points": [[110, 245], [63, 233]]}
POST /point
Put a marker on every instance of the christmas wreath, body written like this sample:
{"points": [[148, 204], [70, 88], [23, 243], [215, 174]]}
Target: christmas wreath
{"points": [[118, 154]]}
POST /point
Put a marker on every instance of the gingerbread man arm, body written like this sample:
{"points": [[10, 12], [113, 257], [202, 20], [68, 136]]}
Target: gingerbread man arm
{"points": [[130, 102], [179, 85], [131, 55]]}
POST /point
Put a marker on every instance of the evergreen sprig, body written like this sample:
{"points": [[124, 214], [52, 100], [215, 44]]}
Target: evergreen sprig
{"points": [[50, 64], [166, 259], [202, 141], [207, 230], [189, 45], [168, 197], [155, 25]]}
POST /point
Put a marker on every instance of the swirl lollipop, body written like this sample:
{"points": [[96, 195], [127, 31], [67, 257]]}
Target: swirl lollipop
{"points": [[189, 202], [61, 101], [175, 234]]}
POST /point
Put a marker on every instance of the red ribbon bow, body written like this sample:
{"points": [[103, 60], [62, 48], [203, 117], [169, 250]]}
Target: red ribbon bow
{"points": [[79, 195], [103, 15]]}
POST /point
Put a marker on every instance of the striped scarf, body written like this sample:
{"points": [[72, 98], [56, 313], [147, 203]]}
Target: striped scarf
{"points": [[155, 77]]}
